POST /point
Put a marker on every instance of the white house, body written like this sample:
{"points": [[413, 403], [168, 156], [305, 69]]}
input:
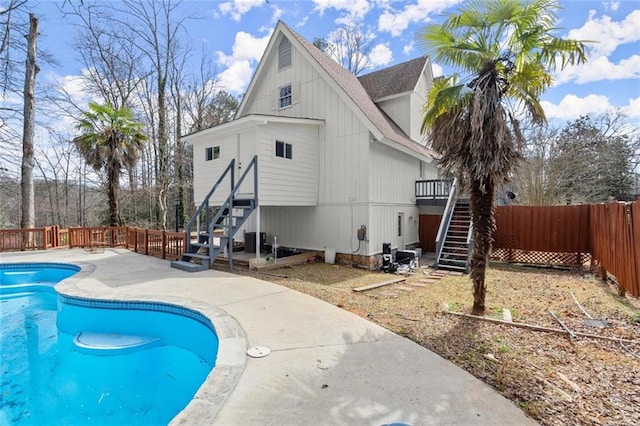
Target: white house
{"points": [[335, 153]]}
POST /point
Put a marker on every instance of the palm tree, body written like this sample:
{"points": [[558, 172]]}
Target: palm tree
{"points": [[110, 140], [506, 53]]}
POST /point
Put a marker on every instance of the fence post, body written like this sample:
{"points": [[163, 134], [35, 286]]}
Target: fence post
{"points": [[146, 242], [164, 244]]}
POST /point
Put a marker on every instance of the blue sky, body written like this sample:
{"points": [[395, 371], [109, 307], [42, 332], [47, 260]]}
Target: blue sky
{"points": [[236, 32]]}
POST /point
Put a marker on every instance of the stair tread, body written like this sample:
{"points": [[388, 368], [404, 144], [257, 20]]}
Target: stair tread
{"points": [[197, 255]]}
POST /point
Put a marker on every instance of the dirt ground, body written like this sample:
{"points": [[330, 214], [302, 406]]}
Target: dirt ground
{"points": [[556, 379]]}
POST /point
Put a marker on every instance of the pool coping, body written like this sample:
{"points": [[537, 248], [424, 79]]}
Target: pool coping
{"points": [[232, 343]]}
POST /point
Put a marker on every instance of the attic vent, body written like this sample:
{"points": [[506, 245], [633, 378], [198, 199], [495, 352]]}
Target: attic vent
{"points": [[284, 53]]}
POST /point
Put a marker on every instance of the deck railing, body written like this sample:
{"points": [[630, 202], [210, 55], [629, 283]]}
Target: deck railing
{"points": [[161, 244], [433, 189]]}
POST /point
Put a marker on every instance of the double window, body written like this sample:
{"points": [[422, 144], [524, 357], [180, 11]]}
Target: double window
{"points": [[284, 150], [212, 153]]}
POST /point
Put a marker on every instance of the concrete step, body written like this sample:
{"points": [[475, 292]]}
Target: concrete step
{"points": [[188, 266]]}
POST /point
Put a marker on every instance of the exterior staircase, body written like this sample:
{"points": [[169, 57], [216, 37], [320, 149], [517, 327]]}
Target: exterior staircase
{"points": [[454, 239], [455, 252], [216, 233]]}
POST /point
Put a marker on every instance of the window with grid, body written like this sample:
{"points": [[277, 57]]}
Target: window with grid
{"points": [[285, 96]]}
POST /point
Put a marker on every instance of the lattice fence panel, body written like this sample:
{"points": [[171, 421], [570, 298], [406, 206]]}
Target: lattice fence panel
{"points": [[541, 257]]}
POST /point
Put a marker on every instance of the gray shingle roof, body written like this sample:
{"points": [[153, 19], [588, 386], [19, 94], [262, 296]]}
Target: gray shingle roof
{"points": [[354, 89], [400, 78]]}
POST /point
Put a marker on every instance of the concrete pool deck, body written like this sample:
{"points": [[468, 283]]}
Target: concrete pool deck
{"points": [[326, 366]]}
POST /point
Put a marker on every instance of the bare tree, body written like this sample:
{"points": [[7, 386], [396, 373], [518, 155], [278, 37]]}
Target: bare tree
{"points": [[536, 179], [350, 46], [28, 210]]}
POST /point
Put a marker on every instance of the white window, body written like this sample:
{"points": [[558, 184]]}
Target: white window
{"points": [[212, 153], [285, 98], [284, 150], [284, 53]]}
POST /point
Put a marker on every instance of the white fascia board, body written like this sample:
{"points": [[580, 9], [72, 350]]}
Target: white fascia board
{"points": [[247, 122]]}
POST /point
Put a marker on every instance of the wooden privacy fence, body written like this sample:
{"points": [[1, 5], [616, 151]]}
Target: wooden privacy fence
{"points": [[542, 234], [162, 244], [606, 235], [615, 242]]}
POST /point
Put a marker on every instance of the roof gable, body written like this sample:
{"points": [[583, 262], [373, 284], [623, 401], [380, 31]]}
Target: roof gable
{"points": [[346, 85], [400, 78]]}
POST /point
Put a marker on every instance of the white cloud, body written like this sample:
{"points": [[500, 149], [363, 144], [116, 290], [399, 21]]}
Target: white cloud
{"points": [[246, 50], [600, 69], [633, 108], [571, 106], [380, 54], [611, 5], [395, 22], [607, 33], [74, 86], [237, 8], [354, 8], [437, 70], [245, 47], [236, 77], [408, 49]]}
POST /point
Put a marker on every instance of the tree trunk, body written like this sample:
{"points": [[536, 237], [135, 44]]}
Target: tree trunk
{"points": [[113, 182], [163, 152], [26, 183], [482, 206]]}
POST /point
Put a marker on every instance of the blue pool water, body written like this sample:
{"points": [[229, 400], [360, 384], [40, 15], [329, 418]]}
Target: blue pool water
{"points": [[76, 361]]}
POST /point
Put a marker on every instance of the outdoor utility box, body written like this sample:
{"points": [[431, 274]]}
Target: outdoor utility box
{"points": [[404, 257], [250, 242]]}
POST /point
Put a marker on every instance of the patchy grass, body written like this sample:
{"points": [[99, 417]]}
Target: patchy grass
{"points": [[554, 379]]}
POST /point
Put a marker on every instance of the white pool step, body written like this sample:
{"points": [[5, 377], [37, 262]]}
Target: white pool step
{"points": [[112, 344]]}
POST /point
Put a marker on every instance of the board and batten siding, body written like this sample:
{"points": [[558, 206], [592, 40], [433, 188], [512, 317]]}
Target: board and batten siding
{"points": [[206, 173], [398, 109], [315, 228], [418, 99], [343, 172], [283, 181], [392, 188]]}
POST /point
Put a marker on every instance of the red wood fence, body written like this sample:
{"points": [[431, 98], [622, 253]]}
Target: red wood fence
{"points": [[542, 234], [608, 235], [615, 242], [162, 244]]}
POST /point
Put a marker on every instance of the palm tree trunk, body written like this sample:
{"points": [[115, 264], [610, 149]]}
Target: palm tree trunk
{"points": [[112, 194], [483, 224]]}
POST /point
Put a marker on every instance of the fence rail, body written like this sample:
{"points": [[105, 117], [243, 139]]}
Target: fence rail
{"points": [[161, 244]]}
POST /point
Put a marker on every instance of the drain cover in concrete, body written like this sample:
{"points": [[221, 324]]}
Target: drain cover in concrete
{"points": [[258, 352]]}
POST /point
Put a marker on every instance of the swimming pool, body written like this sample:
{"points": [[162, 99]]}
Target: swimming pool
{"points": [[70, 360]]}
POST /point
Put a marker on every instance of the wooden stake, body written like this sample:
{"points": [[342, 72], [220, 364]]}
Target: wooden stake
{"points": [[541, 328], [382, 284], [567, 329]]}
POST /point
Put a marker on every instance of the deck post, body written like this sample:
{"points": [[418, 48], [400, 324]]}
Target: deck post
{"points": [[258, 236]]}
